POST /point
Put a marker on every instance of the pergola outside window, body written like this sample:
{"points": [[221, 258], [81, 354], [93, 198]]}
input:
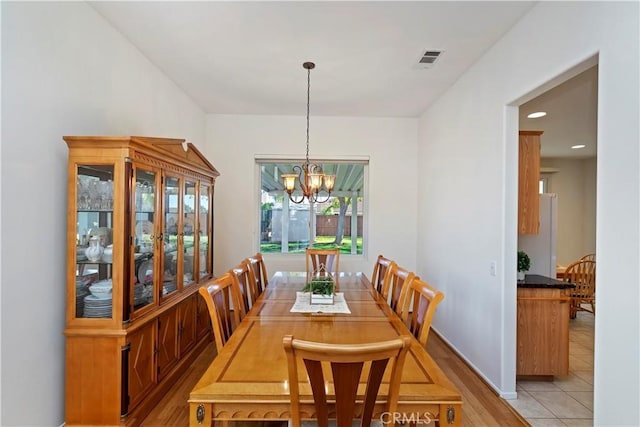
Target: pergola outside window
{"points": [[337, 220]]}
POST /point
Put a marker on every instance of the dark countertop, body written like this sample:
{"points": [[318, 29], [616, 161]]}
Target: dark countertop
{"points": [[538, 281]]}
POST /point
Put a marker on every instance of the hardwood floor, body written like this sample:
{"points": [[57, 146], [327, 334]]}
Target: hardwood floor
{"points": [[481, 406]]}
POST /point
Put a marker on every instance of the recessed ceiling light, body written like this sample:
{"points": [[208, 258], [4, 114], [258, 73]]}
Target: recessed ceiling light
{"points": [[575, 147], [537, 115]]}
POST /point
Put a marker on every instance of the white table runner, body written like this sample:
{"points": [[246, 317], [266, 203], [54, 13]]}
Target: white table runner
{"points": [[303, 305]]}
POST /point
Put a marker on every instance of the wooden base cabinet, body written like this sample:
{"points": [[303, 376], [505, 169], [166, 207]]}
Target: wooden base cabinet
{"points": [[139, 244], [543, 332]]}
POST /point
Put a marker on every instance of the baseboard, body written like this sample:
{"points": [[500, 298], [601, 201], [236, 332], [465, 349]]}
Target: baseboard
{"points": [[485, 380], [509, 396]]}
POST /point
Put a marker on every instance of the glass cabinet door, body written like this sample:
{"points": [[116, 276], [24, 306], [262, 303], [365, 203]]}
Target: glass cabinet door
{"points": [[145, 219], [188, 239], [171, 220], [203, 232], [94, 241]]}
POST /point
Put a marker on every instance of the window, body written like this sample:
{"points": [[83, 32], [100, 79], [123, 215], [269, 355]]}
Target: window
{"points": [[287, 227], [543, 184]]}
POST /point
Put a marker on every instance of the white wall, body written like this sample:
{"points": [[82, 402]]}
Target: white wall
{"points": [[467, 213], [575, 185], [65, 71], [234, 141], [589, 189]]}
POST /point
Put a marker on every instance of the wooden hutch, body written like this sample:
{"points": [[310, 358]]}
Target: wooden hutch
{"points": [[147, 204]]}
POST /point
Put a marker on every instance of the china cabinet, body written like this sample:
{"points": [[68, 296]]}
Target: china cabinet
{"points": [[139, 243]]}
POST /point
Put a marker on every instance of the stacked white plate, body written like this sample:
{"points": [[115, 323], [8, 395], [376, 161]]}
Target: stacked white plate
{"points": [[81, 292], [169, 287], [97, 306], [102, 289], [139, 297]]}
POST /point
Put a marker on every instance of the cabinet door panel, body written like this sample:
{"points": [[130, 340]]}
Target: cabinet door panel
{"points": [[204, 232], [167, 342], [203, 320], [141, 363], [145, 231], [94, 241], [188, 235], [171, 259], [542, 332], [187, 324], [528, 178]]}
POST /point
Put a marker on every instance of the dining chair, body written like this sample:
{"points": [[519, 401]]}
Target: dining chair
{"points": [[259, 271], [588, 257], [380, 269], [322, 262], [246, 284], [347, 362], [394, 283], [582, 273], [221, 296], [419, 305]]}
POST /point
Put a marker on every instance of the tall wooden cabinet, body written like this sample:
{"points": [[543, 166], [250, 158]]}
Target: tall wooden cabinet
{"points": [[528, 179], [139, 243]]}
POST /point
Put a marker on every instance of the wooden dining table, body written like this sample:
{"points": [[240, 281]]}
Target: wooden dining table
{"points": [[248, 379]]}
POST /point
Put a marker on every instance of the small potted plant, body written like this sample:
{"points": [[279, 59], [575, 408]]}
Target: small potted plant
{"points": [[524, 263], [321, 290]]}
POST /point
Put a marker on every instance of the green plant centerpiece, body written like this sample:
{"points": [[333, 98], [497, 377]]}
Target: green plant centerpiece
{"points": [[321, 289], [524, 263]]}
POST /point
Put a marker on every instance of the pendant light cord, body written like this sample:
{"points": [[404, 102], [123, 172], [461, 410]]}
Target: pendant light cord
{"points": [[308, 91]]}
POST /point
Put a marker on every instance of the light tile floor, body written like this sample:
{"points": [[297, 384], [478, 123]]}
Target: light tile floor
{"points": [[567, 400]]}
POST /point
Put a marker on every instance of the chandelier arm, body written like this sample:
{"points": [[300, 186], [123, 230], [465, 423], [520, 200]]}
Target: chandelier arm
{"points": [[297, 202], [302, 170], [316, 200], [314, 168]]}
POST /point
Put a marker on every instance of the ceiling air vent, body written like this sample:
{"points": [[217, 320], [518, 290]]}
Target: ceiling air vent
{"points": [[429, 58]]}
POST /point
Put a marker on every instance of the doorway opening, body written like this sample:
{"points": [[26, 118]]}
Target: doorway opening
{"points": [[571, 105]]}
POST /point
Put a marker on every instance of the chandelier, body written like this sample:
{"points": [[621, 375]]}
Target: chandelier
{"points": [[310, 176]]}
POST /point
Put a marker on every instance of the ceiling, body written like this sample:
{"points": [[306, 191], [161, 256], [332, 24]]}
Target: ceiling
{"points": [[237, 57], [572, 113]]}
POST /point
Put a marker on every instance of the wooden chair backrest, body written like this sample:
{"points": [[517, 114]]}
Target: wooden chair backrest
{"points": [[419, 306], [347, 362], [582, 274], [588, 257], [394, 283], [259, 271], [321, 262], [380, 270], [221, 296], [246, 283]]}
